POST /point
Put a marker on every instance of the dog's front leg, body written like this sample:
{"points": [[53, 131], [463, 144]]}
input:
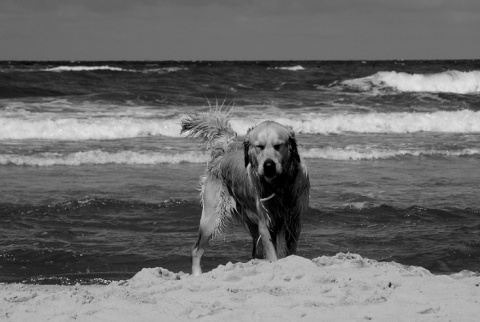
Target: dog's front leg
{"points": [[268, 247]]}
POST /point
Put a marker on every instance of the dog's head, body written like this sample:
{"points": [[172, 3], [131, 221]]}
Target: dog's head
{"points": [[270, 148]]}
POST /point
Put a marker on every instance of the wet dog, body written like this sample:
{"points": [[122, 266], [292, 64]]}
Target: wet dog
{"points": [[264, 186]]}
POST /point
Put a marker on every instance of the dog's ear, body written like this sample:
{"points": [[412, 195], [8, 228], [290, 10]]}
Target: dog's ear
{"points": [[293, 147], [246, 147]]}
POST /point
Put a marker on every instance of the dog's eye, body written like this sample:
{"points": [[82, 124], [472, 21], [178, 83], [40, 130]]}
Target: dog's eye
{"points": [[260, 146], [277, 146]]}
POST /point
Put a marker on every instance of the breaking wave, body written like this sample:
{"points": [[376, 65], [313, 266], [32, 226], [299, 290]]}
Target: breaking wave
{"points": [[112, 69], [110, 128], [85, 68], [379, 154], [464, 121], [106, 128], [99, 157], [445, 82], [292, 68]]}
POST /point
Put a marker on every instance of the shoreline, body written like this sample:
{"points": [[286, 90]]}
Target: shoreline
{"points": [[344, 287]]}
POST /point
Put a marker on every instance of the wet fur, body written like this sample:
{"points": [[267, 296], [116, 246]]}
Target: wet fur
{"points": [[236, 189]]}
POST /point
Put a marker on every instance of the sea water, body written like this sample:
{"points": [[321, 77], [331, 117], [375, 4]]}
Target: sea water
{"points": [[96, 181]]}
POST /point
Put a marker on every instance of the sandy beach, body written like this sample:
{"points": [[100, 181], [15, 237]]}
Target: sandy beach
{"points": [[345, 287]]}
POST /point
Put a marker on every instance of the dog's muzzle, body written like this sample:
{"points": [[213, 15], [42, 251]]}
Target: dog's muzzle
{"points": [[269, 168]]}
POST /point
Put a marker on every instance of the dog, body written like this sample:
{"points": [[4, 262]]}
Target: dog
{"points": [[265, 186]]}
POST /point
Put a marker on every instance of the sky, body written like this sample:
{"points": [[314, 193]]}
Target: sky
{"points": [[239, 29]]}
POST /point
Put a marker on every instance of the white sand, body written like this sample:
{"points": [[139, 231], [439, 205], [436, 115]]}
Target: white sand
{"points": [[345, 287]]}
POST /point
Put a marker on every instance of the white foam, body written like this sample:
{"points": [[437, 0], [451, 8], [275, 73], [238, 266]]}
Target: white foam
{"points": [[85, 68], [164, 70], [358, 154], [161, 70], [464, 121], [103, 128], [292, 68], [99, 157], [447, 82], [18, 126]]}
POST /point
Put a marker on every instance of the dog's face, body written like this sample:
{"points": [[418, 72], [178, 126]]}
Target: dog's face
{"points": [[270, 148]]}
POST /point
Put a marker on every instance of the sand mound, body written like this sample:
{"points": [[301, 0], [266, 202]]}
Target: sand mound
{"points": [[345, 287]]}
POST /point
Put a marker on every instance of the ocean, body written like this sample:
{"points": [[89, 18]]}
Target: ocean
{"points": [[96, 181]]}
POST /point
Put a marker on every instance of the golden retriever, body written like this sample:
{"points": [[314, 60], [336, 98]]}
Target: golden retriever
{"points": [[265, 186]]}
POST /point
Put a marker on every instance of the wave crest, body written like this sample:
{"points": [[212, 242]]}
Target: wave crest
{"points": [[357, 154], [292, 68], [85, 68], [112, 69], [110, 128], [106, 128], [464, 121], [99, 157], [445, 82]]}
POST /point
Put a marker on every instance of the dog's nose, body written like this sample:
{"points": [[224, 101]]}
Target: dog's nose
{"points": [[269, 168]]}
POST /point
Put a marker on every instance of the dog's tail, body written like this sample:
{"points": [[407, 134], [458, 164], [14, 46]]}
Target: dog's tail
{"points": [[212, 128]]}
